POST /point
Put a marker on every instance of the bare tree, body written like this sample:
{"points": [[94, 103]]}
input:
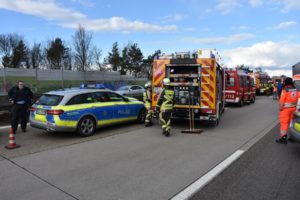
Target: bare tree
{"points": [[97, 54], [8, 42], [82, 47], [35, 55]]}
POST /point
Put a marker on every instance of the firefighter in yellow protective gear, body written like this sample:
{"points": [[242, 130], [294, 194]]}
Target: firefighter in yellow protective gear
{"points": [[147, 97], [165, 106]]}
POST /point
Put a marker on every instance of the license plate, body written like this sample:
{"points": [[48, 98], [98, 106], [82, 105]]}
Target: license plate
{"points": [[41, 112]]}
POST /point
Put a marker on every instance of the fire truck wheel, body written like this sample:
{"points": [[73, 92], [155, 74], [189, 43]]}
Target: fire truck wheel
{"points": [[222, 108], [252, 100], [217, 120], [241, 103]]}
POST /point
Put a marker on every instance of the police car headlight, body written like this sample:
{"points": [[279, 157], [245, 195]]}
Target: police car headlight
{"points": [[196, 111]]}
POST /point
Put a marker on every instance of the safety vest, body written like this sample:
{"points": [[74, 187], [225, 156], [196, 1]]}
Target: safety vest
{"points": [[147, 99], [168, 100], [289, 97]]}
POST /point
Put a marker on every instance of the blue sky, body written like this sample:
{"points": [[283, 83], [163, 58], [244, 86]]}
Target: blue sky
{"points": [[259, 33]]}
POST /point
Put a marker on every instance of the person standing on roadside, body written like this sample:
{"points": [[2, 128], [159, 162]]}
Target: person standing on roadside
{"points": [[279, 88], [20, 97], [288, 103]]}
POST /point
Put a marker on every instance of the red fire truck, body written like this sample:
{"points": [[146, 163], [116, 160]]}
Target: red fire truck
{"points": [[198, 80], [240, 87]]}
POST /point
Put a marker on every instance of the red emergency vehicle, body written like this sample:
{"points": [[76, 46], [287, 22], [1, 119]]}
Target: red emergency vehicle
{"points": [[240, 87]]}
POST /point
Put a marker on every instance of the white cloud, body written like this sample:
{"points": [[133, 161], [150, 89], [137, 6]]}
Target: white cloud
{"points": [[118, 24], [189, 29], [52, 11], [287, 5], [256, 3], [84, 3], [285, 25], [242, 28], [265, 54], [221, 40], [226, 6], [279, 72], [46, 9], [173, 18]]}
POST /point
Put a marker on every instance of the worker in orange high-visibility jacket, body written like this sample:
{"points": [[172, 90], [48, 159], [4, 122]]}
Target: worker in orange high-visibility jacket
{"points": [[288, 103]]}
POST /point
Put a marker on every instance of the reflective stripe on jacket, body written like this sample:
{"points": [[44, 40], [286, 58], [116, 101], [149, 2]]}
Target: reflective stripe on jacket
{"points": [[289, 97], [166, 100], [147, 99]]}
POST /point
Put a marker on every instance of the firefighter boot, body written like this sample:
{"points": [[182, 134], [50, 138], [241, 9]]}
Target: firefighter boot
{"points": [[148, 124], [167, 133], [282, 140]]}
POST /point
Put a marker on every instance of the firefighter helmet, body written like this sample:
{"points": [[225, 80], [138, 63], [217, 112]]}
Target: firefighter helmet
{"points": [[166, 81], [148, 84]]}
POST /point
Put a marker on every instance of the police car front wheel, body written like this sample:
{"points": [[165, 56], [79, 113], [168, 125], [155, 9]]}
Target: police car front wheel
{"points": [[86, 126]]}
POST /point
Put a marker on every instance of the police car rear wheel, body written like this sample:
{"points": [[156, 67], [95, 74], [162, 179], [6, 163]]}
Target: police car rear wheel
{"points": [[142, 115], [86, 127]]}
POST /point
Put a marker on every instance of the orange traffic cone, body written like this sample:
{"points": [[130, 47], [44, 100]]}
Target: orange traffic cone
{"points": [[11, 140]]}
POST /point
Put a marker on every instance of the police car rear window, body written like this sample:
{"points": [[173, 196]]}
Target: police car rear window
{"points": [[50, 100]]}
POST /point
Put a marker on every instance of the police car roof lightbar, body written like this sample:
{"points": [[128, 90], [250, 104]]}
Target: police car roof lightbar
{"points": [[92, 86]]}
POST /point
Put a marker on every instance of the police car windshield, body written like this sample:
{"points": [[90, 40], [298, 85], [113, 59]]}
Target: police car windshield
{"points": [[124, 88], [49, 100]]}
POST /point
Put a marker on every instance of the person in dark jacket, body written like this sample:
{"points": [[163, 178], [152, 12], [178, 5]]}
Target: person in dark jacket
{"points": [[279, 89], [20, 97]]}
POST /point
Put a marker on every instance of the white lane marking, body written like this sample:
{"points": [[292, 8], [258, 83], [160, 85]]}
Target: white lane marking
{"points": [[205, 179]]}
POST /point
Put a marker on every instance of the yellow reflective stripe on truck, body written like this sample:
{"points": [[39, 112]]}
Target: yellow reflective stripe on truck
{"points": [[208, 83]]}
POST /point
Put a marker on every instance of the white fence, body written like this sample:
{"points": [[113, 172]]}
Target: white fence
{"points": [[64, 75]]}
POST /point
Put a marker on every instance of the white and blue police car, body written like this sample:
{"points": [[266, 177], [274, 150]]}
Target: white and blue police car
{"points": [[83, 110]]}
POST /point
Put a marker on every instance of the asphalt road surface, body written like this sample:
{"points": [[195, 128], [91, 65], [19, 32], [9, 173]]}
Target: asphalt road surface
{"points": [[268, 171], [125, 162]]}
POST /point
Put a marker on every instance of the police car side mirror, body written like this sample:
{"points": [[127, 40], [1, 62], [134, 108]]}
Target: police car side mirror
{"points": [[126, 99]]}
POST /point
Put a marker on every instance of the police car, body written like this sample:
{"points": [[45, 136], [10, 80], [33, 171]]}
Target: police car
{"points": [[295, 129], [83, 110]]}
